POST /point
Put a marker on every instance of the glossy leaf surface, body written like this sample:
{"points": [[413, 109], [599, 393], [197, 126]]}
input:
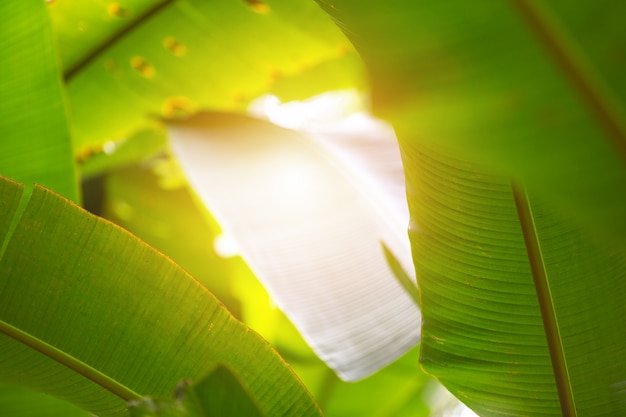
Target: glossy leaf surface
{"points": [[108, 314]]}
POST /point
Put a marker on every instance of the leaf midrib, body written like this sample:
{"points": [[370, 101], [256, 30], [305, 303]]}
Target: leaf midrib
{"points": [[544, 298], [84, 61], [69, 361]]}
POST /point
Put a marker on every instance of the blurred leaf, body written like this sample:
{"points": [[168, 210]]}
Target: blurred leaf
{"points": [[156, 205], [309, 233], [529, 89], [395, 391], [21, 402], [192, 55], [107, 319], [85, 27], [219, 393], [124, 153], [35, 144]]}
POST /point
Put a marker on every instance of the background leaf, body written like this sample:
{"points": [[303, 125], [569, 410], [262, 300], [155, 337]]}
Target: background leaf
{"points": [[221, 393], [310, 234], [193, 55], [35, 145]]}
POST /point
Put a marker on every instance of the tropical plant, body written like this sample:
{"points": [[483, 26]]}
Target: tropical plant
{"points": [[510, 122]]}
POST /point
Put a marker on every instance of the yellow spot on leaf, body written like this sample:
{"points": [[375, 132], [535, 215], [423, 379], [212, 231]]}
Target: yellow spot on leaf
{"points": [[142, 67], [177, 107], [259, 6], [174, 46], [116, 10]]}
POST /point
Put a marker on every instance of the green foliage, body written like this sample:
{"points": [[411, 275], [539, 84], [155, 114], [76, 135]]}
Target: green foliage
{"points": [[219, 393], [35, 144], [510, 118], [132, 322]]}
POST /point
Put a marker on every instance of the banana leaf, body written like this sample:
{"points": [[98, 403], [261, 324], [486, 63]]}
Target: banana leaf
{"points": [[35, 142], [92, 315], [530, 89], [522, 308], [510, 120], [164, 60], [310, 234]]}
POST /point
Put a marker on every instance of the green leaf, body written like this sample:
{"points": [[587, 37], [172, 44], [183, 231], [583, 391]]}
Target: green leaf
{"points": [[194, 55], [521, 308], [219, 393], [527, 88], [521, 286], [155, 203], [85, 27], [35, 144], [222, 394], [90, 314], [21, 402], [126, 152]]}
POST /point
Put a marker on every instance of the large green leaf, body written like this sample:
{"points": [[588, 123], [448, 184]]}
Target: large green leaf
{"points": [[522, 310], [532, 89], [510, 119], [90, 314], [34, 139]]}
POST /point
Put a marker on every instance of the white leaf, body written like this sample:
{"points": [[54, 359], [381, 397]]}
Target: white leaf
{"points": [[311, 230]]}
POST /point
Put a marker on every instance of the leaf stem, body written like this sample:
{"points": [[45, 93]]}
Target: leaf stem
{"points": [[546, 306]]}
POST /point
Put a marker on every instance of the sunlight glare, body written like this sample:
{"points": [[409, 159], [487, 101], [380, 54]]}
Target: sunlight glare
{"points": [[225, 246], [309, 114]]}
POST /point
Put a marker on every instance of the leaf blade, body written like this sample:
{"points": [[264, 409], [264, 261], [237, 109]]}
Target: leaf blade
{"points": [[177, 328]]}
